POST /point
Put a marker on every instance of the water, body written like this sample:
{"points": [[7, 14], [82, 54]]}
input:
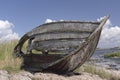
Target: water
{"points": [[111, 63]]}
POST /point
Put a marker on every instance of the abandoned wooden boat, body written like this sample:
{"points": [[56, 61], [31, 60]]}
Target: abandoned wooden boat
{"points": [[63, 45]]}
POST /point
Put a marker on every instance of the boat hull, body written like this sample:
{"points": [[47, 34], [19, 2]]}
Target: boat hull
{"points": [[61, 63]]}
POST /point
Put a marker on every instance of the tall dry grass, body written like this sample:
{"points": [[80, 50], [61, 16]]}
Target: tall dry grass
{"points": [[7, 61], [102, 72]]}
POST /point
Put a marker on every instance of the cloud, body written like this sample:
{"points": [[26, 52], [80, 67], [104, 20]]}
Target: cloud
{"points": [[49, 21], [110, 36], [6, 32]]}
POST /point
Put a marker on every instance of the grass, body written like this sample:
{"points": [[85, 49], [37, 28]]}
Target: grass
{"points": [[102, 72], [109, 55], [7, 62]]}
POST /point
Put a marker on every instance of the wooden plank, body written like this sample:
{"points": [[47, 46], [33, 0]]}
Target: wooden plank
{"points": [[59, 36], [61, 26], [57, 45]]}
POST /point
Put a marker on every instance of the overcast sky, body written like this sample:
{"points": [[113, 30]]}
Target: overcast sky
{"points": [[19, 16]]}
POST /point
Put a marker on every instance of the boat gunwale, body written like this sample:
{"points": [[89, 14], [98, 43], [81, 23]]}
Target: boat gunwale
{"points": [[68, 21]]}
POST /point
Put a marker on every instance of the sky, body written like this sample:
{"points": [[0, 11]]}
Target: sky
{"points": [[20, 16]]}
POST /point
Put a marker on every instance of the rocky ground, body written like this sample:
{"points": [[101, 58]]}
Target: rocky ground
{"points": [[23, 75]]}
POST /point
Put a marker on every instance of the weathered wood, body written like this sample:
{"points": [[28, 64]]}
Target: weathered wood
{"points": [[78, 39], [80, 55], [65, 26], [57, 45], [31, 61], [59, 36]]}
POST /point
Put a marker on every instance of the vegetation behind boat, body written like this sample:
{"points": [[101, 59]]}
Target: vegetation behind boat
{"points": [[112, 55]]}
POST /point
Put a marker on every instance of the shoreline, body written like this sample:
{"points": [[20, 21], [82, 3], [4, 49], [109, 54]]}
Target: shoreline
{"points": [[24, 75], [84, 75]]}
